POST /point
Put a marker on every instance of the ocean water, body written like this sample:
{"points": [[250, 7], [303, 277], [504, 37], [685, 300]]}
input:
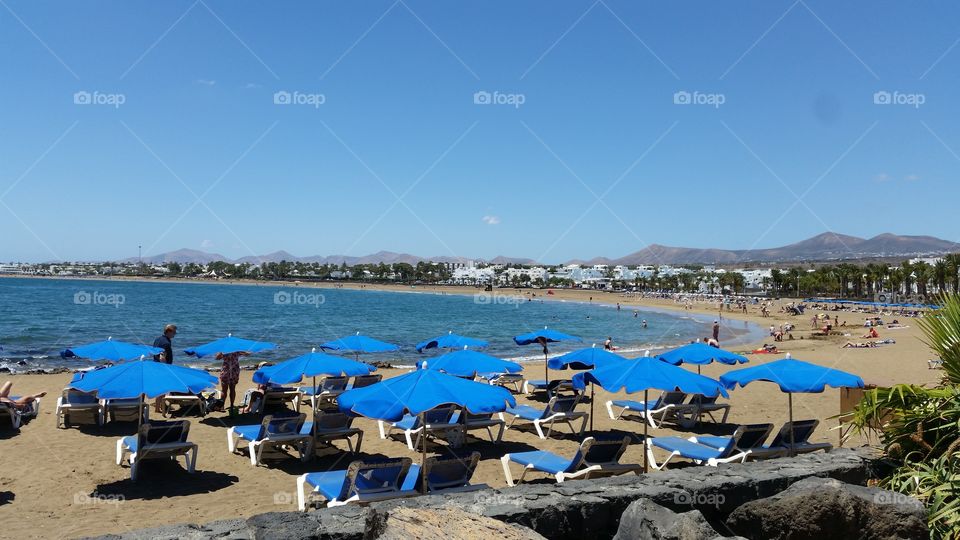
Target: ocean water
{"points": [[41, 317]]}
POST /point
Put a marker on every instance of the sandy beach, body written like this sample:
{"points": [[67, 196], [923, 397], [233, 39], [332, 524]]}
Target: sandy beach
{"points": [[65, 483]]}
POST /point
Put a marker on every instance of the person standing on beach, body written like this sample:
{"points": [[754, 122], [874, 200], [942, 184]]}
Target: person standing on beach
{"points": [[230, 376], [716, 331], [165, 342]]}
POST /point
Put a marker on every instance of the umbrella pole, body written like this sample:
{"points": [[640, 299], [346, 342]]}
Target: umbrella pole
{"points": [[423, 458], [646, 443], [313, 415], [140, 414], [591, 408], [790, 409], [546, 367]]}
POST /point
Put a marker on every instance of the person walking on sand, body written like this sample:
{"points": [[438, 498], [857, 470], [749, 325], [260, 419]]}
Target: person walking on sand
{"points": [[230, 375]]}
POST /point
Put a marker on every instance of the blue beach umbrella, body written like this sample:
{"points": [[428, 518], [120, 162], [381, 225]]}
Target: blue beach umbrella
{"points": [[357, 344], [115, 351], [230, 344], [451, 341], [648, 373], [701, 354], [419, 391], [543, 337], [586, 358], [312, 364], [467, 363], [792, 376], [143, 378]]}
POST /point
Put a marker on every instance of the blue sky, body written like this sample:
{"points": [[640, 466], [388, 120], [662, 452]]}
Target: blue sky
{"points": [[597, 159]]}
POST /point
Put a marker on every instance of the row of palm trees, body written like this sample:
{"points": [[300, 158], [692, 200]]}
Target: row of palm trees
{"points": [[848, 280]]}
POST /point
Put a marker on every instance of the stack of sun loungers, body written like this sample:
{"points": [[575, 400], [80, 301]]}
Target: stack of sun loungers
{"points": [[74, 406], [672, 408], [377, 480], [747, 442]]}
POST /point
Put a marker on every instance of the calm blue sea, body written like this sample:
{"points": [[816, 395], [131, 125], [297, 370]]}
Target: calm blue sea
{"points": [[40, 317]]}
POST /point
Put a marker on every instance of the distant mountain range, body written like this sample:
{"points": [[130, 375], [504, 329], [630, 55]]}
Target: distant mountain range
{"points": [[184, 256], [823, 247]]}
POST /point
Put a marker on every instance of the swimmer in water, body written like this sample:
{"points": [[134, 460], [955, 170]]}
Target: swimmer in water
{"points": [[644, 323]]}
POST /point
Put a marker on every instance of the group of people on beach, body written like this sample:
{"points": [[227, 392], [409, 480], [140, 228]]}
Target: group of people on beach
{"points": [[229, 368]]}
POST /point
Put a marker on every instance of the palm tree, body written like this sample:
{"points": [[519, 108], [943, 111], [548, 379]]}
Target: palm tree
{"points": [[953, 269], [940, 270]]}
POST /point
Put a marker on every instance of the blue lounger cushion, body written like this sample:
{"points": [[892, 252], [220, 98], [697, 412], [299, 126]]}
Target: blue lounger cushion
{"points": [[542, 460], [247, 433], [687, 449], [131, 442], [713, 441], [526, 412], [634, 405]]}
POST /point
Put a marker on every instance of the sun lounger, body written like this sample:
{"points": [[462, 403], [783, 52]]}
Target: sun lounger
{"points": [[504, 379], [595, 457], [780, 445], [737, 447], [273, 431], [361, 381], [17, 416], [362, 482], [126, 410], [74, 404], [183, 403], [279, 397], [669, 407], [703, 405], [439, 420], [328, 390], [558, 409], [157, 440], [447, 474], [331, 426], [480, 421]]}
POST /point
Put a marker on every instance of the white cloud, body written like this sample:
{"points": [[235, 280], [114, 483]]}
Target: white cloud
{"points": [[206, 82], [491, 220], [912, 177], [882, 177], [206, 244], [251, 85]]}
